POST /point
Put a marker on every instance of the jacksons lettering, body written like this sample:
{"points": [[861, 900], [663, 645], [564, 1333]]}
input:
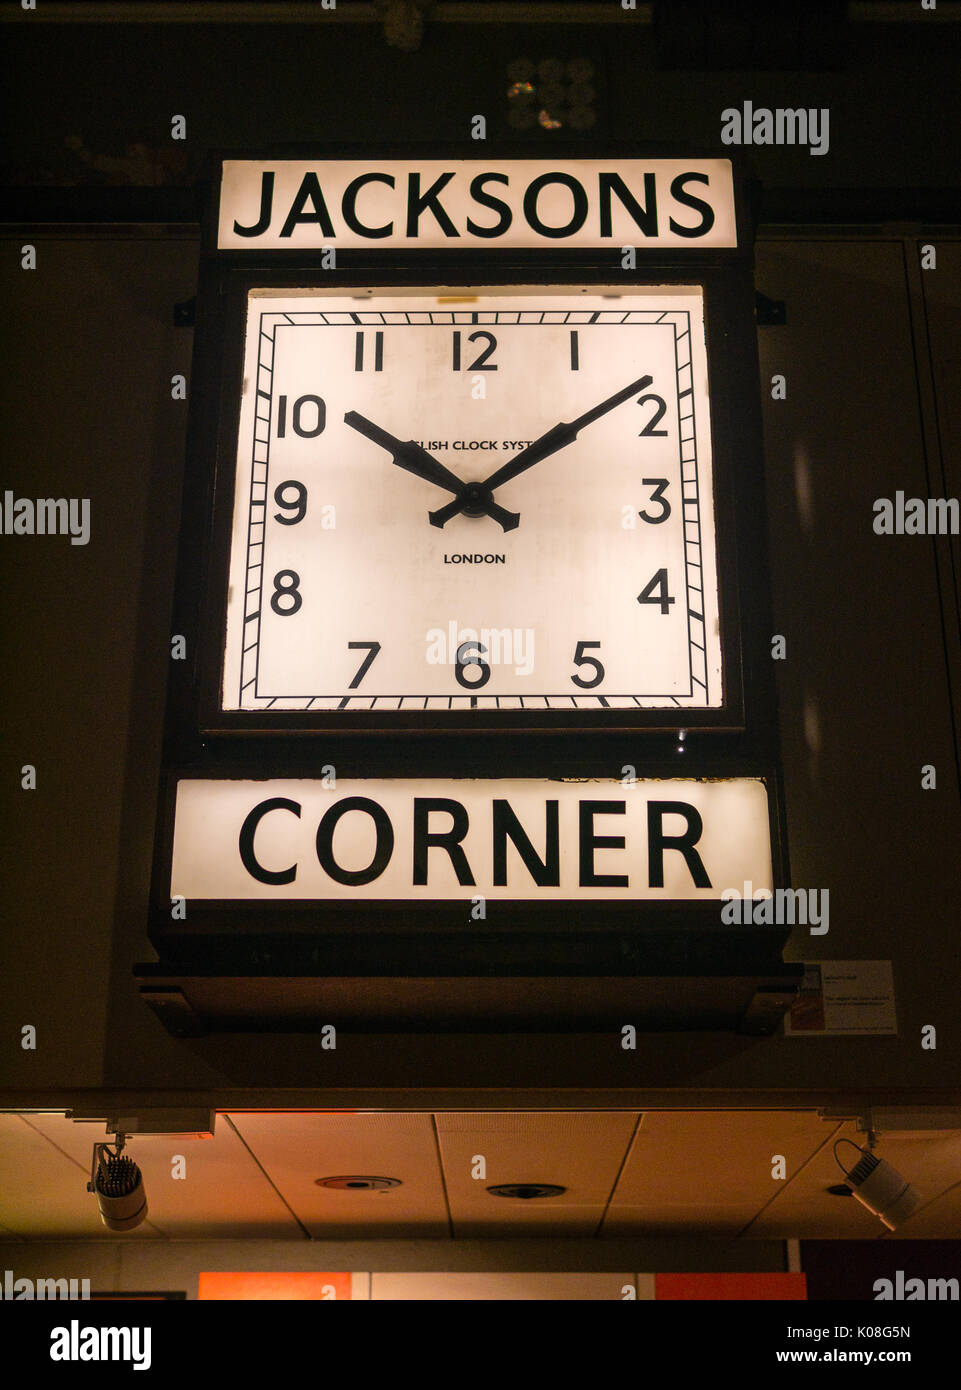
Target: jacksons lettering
{"points": [[523, 202], [672, 839]]}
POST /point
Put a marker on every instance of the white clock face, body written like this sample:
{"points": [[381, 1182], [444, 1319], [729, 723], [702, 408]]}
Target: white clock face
{"points": [[395, 548]]}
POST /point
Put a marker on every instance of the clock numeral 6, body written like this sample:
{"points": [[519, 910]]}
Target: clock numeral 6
{"points": [[649, 429], [289, 589], [299, 505], [464, 660], [660, 486], [656, 592], [315, 407], [581, 660]]}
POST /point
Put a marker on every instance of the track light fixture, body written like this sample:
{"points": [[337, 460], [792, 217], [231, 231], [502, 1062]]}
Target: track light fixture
{"points": [[118, 1184], [878, 1186]]}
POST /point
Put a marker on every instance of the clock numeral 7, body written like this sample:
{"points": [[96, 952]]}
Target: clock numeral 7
{"points": [[372, 649], [656, 592], [306, 431], [581, 660], [480, 365]]}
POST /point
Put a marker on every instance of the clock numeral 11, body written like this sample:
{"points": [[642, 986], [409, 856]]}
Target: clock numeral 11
{"points": [[378, 352]]}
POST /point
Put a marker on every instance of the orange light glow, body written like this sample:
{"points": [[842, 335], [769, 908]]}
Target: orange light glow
{"points": [[274, 1287]]}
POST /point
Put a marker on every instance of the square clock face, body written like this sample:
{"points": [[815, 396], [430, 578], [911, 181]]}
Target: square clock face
{"points": [[455, 501]]}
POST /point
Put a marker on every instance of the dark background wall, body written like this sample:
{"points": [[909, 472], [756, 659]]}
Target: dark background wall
{"points": [[870, 352]]}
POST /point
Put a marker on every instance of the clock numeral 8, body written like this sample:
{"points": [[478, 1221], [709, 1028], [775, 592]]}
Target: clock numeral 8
{"points": [[290, 589], [463, 661]]}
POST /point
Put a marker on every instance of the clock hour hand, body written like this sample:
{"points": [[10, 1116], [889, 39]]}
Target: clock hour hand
{"points": [[558, 437], [406, 454]]}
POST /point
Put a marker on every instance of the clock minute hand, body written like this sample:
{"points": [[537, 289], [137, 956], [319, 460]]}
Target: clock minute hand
{"points": [[558, 437], [406, 454]]}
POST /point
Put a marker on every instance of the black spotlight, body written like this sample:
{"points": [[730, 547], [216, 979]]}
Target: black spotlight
{"points": [[118, 1184]]}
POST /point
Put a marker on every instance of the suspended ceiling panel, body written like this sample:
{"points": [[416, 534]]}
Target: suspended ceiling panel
{"points": [[296, 1149], [580, 1152]]}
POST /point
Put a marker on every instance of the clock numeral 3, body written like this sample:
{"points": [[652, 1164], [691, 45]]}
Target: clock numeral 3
{"points": [[299, 505], [297, 418], [480, 365], [463, 661], [660, 486], [290, 589], [656, 592], [648, 431], [581, 660]]}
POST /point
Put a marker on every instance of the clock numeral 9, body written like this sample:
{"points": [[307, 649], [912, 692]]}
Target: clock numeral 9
{"points": [[648, 431], [297, 416], [656, 592], [479, 364], [660, 487], [290, 589], [581, 660], [463, 661], [299, 505]]}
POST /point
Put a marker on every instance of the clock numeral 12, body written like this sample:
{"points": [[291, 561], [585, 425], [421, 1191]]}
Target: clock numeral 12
{"points": [[480, 364], [297, 416]]}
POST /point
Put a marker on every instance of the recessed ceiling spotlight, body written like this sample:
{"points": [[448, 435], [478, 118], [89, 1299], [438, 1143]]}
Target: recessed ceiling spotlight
{"points": [[356, 1182], [527, 1190]]}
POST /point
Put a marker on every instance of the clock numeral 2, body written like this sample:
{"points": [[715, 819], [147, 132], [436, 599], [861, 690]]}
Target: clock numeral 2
{"points": [[289, 589], [480, 365], [581, 660], [378, 352], [656, 592], [649, 429], [297, 416]]}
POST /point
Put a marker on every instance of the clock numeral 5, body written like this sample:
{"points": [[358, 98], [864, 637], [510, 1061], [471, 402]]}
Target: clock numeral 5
{"points": [[314, 404], [648, 431], [581, 660], [464, 660], [299, 505], [660, 486], [656, 592], [480, 364], [290, 588]]}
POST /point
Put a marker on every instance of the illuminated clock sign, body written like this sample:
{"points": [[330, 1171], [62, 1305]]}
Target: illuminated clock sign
{"points": [[286, 204], [526, 840]]}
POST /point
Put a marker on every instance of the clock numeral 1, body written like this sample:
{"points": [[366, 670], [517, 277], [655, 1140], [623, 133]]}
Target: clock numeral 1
{"points": [[289, 589], [656, 592], [575, 356], [464, 660], [581, 660], [648, 431], [299, 505], [297, 416], [378, 352], [372, 649]]}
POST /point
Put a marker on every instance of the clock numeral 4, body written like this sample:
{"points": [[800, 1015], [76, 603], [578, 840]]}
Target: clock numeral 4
{"points": [[299, 505], [648, 431], [480, 364], [289, 589], [315, 406], [656, 592], [464, 660], [581, 660]]}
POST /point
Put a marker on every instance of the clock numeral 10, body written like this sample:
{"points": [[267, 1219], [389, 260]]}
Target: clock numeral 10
{"points": [[306, 431], [656, 592]]}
